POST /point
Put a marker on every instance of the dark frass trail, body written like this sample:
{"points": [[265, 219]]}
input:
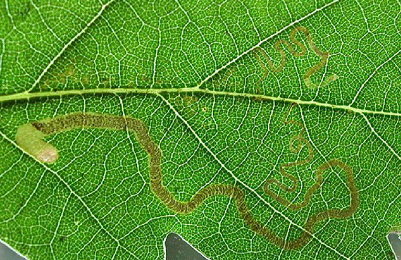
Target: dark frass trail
{"points": [[31, 138]]}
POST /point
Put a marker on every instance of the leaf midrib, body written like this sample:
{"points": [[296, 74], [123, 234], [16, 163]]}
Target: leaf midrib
{"points": [[195, 90]]}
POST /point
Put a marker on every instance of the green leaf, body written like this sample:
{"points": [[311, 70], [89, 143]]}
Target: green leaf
{"points": [[254, 130]]}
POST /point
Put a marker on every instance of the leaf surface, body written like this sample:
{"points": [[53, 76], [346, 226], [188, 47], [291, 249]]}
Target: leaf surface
{"points": [[277, 126]]}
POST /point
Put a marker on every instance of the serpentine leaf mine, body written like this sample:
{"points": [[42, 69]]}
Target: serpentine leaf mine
{"points": [[31, 138], [278, 46]]}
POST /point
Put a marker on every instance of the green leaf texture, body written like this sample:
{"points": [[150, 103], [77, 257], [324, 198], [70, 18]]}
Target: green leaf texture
{"points": [[253, 129]]}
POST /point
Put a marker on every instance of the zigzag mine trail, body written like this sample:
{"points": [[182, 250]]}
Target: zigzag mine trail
{"points": [[319, 175], [301, 140], [36, 131], [307, 76]]}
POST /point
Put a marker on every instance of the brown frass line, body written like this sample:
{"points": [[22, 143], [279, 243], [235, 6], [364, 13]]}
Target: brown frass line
{"points": [[319, 173], [301, 141], [40, 129], [278, 46]]}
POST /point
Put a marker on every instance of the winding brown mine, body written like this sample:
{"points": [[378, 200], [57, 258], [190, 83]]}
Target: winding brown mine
{"points": [[330, 213], [301, 141], [36, 131], [278, 46]]}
